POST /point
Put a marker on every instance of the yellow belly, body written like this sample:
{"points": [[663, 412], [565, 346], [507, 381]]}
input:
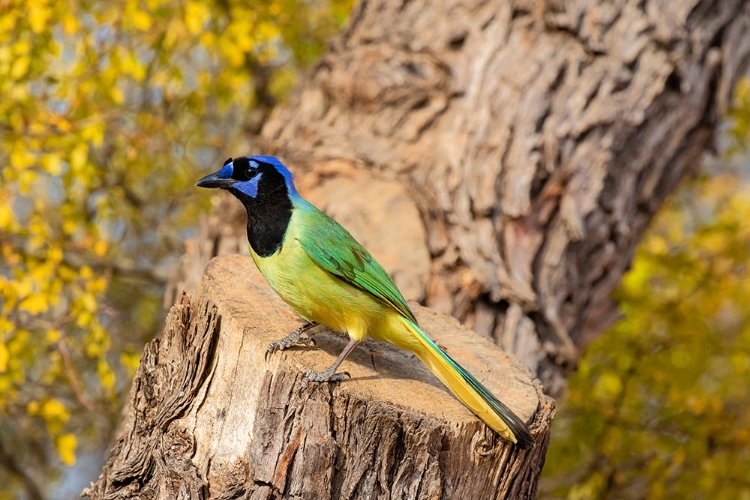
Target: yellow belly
{"points": [[317, 295]]}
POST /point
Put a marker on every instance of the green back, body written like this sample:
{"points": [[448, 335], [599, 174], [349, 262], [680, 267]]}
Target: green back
{"points": [[335, 250]]}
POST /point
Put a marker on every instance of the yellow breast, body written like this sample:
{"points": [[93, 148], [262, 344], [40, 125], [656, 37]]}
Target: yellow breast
{"points": [[317, 295]]}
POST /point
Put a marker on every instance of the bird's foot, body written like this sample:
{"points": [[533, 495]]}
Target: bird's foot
{"points": [[292, 339], [327, 375]]}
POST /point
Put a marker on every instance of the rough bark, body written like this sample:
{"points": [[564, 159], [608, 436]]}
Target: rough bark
{"points": [[209, 418], [531, 141]]}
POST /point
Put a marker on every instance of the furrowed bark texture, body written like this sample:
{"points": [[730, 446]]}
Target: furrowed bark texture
{"points": [[210, 418], [502, 158]]}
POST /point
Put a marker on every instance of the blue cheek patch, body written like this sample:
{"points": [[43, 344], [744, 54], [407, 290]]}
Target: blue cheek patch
{"points": [[250, 187], [226, 171]]}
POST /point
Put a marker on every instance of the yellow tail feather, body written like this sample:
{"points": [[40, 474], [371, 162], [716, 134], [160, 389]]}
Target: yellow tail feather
{"points": [[471, 392]]}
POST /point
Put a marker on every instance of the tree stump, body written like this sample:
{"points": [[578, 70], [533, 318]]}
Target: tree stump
{"points": [[209, 417]]}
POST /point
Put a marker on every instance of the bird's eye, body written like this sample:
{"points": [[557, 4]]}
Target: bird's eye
{"points": [[251, 172]]}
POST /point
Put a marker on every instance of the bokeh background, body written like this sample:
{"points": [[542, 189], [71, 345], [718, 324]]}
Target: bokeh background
{"points": [[109, 113]]}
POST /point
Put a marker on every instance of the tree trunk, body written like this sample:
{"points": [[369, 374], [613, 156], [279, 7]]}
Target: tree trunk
{"points": [[502, 158], [209, 419]]}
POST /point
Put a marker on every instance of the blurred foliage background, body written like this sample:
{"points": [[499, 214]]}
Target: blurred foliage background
{"points": [[660, 405], [111, 110]]}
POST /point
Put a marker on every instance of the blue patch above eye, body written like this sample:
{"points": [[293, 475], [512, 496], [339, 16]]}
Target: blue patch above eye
{"points": [[226, 171], [254, 164]]}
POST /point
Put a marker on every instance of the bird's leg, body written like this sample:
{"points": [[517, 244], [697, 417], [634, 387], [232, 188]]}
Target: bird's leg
{"points": [[329, 374], [294, 337]]}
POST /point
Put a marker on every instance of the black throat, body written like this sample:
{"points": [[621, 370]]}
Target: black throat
{"points": [[268, 214]]}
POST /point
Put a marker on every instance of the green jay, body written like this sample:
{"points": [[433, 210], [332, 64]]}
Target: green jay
{"points": [[328, 278]]}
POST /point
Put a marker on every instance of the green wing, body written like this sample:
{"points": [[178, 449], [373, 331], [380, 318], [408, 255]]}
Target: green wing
{"points": [[335, 250]]}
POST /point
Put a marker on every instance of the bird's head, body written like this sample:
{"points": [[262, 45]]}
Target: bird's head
{"points": [[251, 177]]}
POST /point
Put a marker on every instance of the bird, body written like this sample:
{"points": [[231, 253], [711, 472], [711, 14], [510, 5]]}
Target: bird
{"points": [[330, 279]]}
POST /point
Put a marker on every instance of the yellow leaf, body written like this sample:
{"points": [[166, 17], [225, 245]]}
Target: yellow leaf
{"points": [[207, 39], [88, 301], [55, 410], [32, 408], [6, 217], [66, 273], [607, 386], [36, 128], [78, 156], [6, 56], [175, 32], [84, 319], [21, 159], [267, 31], [22, 47], [86, 272], [636, 281], [19, 67], [69, 226], [106, 375], [117, 95], [4, 357], [5, 325], [130, 360], [100, 248], [235, 57], [66, 448], [55, 255], [141, 20], [23, 287], [37, 16], [62, 123], [35, 303], [53, 335], [195, 14], [97, 285], [69, 24], [131, 65], [52, 163]]}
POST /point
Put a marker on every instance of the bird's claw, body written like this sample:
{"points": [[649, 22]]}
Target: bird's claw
{"points": [[308, 342], [294, 338], [324, 376]]}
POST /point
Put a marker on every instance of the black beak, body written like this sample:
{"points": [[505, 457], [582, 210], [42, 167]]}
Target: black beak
{"points": [[214, 181]]}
